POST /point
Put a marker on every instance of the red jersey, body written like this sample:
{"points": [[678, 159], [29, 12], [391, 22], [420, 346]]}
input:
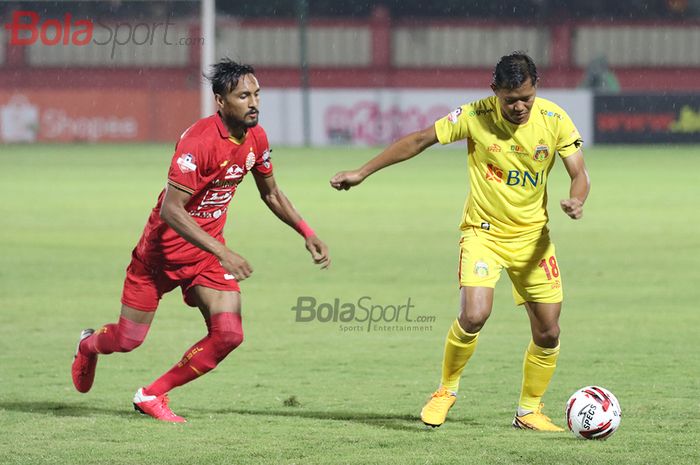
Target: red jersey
{"points": [[209, 164]]}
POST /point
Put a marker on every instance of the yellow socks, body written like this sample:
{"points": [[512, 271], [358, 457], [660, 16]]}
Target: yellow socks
{"points": [[459, 347], [538, 369]]}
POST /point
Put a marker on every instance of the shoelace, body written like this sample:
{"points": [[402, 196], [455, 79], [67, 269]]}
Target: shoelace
{"points": [[164, 406], [441, 393], [539, 412]]}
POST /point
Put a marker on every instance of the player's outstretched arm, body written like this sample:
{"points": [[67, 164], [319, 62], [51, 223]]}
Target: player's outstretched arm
{"points": [[407, 147], [173, 212], [580, 185], [280, 205]]}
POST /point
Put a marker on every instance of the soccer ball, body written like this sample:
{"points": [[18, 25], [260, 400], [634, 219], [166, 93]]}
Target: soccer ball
{"points": [[593, 412]]}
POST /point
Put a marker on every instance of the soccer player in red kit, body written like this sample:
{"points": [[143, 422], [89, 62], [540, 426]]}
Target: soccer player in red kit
{"points": [[183, 243]]}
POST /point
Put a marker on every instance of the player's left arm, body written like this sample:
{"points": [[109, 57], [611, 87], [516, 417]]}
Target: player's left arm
{"points": [[580, 185], [280, 205]]}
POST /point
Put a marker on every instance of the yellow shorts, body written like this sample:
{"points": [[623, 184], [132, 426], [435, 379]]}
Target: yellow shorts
{"points": [[531, 265]]}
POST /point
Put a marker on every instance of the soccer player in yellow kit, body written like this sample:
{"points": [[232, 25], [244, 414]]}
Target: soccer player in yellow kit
{"points": [[512, 138]]}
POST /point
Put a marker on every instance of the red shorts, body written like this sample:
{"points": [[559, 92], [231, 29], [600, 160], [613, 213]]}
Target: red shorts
{"points": [[145, 283]]}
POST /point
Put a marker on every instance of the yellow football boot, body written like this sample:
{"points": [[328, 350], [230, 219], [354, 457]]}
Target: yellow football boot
{"points": [[435, 411], [536, 420]]}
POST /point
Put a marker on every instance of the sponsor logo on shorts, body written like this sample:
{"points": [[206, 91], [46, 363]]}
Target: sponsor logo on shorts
{"points": [[556, 284], [485, 226], [186, 163], [481, 269], [454, 116], [229, 277]]}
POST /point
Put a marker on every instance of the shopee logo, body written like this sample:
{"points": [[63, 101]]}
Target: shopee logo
{"points": [[50, 32]]}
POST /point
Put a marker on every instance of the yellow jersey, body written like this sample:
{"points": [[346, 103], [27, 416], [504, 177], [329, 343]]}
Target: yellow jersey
{"points": [[509, 164]]}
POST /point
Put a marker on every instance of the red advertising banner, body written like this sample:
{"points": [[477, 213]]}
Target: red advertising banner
{"points": [[643, 119], [105, 115]]}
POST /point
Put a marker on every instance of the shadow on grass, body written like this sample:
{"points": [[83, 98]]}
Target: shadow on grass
{"points": [[379, 420], [395, 422], [62, 409]]}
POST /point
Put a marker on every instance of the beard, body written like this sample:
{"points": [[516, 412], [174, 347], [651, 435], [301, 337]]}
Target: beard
{"points": [[233, 122], [251, 123]]}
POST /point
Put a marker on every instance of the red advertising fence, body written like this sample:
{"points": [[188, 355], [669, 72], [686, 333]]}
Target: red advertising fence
{"points": [[643, 118], [102, 115]]}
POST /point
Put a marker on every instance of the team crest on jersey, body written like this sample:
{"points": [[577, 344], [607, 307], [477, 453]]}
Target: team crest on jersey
{"points": [[250, 160], [186, 163], [454, 116], [541, 153]]}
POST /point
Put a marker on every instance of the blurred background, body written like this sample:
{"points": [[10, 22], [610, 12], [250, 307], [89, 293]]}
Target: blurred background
{"points": [[345, 72]]}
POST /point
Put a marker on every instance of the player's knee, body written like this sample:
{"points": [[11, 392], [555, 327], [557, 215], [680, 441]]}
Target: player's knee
{"points": [[227, 339], [472, 322], [127, 345], [129, 334], [547, 337]]}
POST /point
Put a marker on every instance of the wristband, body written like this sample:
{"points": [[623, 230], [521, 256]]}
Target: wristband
{"points": [[304, 229]]}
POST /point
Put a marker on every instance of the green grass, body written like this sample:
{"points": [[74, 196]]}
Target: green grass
{"points": [[71, 214]]}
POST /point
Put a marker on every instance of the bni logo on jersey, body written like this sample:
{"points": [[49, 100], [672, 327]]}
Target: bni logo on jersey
{"points": [[514, 177]]}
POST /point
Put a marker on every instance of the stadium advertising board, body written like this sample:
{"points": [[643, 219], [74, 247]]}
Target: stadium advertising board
{"points": [[373, 117], [357, 117], [95, 115], [641, 119]]}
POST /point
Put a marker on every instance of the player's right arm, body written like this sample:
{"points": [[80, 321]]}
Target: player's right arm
{"points": [[173, 212], [407, 147]]}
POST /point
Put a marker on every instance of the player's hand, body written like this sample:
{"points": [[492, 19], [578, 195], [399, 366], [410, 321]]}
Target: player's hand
{"points": [[572, 207], [346, 179], [319, 251], [235, 264]]}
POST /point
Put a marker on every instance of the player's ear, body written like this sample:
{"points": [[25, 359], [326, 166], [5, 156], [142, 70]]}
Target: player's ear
{"points": [[219, 101]]}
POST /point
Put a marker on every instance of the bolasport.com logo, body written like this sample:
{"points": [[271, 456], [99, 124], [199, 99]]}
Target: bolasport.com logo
{"points": [[29, 28], [362, 315]]}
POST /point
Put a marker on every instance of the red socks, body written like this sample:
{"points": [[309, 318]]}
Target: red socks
{"points": [[122, 337], [225, 334]]}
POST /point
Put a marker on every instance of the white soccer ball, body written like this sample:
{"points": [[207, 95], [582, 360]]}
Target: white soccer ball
{"points": [[593, 412]]}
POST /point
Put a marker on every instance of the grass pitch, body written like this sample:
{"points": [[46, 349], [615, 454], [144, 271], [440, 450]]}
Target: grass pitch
{"points": [[318, 393]]}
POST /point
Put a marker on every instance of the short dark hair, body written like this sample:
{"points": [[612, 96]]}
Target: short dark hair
{"points": [[513, 70], [225, 74]]}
